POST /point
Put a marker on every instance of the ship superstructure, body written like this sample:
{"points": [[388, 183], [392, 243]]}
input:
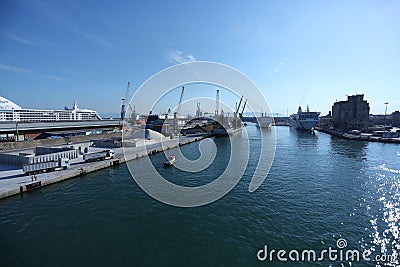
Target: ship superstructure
{"points": [[304, 120], [11, 112]]}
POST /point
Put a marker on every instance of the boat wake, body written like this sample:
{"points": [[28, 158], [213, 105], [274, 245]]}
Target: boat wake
{"points": [[384, 168]]}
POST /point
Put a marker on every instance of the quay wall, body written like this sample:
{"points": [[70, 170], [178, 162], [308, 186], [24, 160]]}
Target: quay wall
{"points": [[58, 176]]}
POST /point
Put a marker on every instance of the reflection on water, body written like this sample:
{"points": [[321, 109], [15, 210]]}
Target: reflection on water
{"points": [[304, 138], [382, 202], [348, 148]]}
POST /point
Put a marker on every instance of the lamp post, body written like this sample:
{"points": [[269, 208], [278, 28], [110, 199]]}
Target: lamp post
{"points": [[384, 126], [16, 129]]}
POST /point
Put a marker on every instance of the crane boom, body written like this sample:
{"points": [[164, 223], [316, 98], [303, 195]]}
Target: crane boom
{"points": [[237, 108], [127, 91], [180, 100], [176, 114], [244, 106]]}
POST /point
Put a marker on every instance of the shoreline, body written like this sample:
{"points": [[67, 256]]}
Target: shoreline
{"points": [[360, 137], [18, 184]]}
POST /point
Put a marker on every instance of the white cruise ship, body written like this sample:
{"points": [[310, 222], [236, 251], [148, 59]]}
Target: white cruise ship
{"points": [[304, 120], [11, 112]]}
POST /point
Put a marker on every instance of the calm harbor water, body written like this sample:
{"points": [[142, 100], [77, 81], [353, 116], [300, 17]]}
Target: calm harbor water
{"points": [[320, 189]]}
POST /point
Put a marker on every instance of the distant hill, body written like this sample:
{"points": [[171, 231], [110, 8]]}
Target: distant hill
{"points": [[258, 114], [110, 115]]}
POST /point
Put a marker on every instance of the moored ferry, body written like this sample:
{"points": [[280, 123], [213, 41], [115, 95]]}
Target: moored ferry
{"points": [[264, 121], [304, 120]]}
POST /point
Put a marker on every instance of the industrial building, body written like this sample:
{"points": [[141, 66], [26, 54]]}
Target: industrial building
{"points": [[396, 119]]}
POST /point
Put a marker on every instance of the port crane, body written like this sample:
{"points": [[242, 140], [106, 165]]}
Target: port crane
{"points": [[180, 101], [198, 111], [216, 105], [176, 117], [123, 111], [237, 107], [238, 115], [132, 112], [244, 106]]}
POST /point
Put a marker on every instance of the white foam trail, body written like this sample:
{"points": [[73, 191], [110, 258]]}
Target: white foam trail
{"points": [[384, 168]]}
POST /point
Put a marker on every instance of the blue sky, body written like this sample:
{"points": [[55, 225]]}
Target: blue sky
{"points": [[297, 52]]}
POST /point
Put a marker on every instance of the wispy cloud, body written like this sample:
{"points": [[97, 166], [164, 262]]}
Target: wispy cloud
{"points": [[54, 78], [23, 70], [33, 41], [278, 69], [179, 56], [20, 39], [92, 37], [13, 68]]}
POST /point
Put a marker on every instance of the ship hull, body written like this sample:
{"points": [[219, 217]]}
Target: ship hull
{"points": [[264, 122], [303, 125]]}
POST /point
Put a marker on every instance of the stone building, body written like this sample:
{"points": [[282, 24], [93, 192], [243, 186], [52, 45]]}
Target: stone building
{"points": [[396, 118], [352, 114]]}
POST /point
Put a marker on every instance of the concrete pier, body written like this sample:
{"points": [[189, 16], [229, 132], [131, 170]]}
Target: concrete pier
{"points": [[359, 137], [13, 181]]}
